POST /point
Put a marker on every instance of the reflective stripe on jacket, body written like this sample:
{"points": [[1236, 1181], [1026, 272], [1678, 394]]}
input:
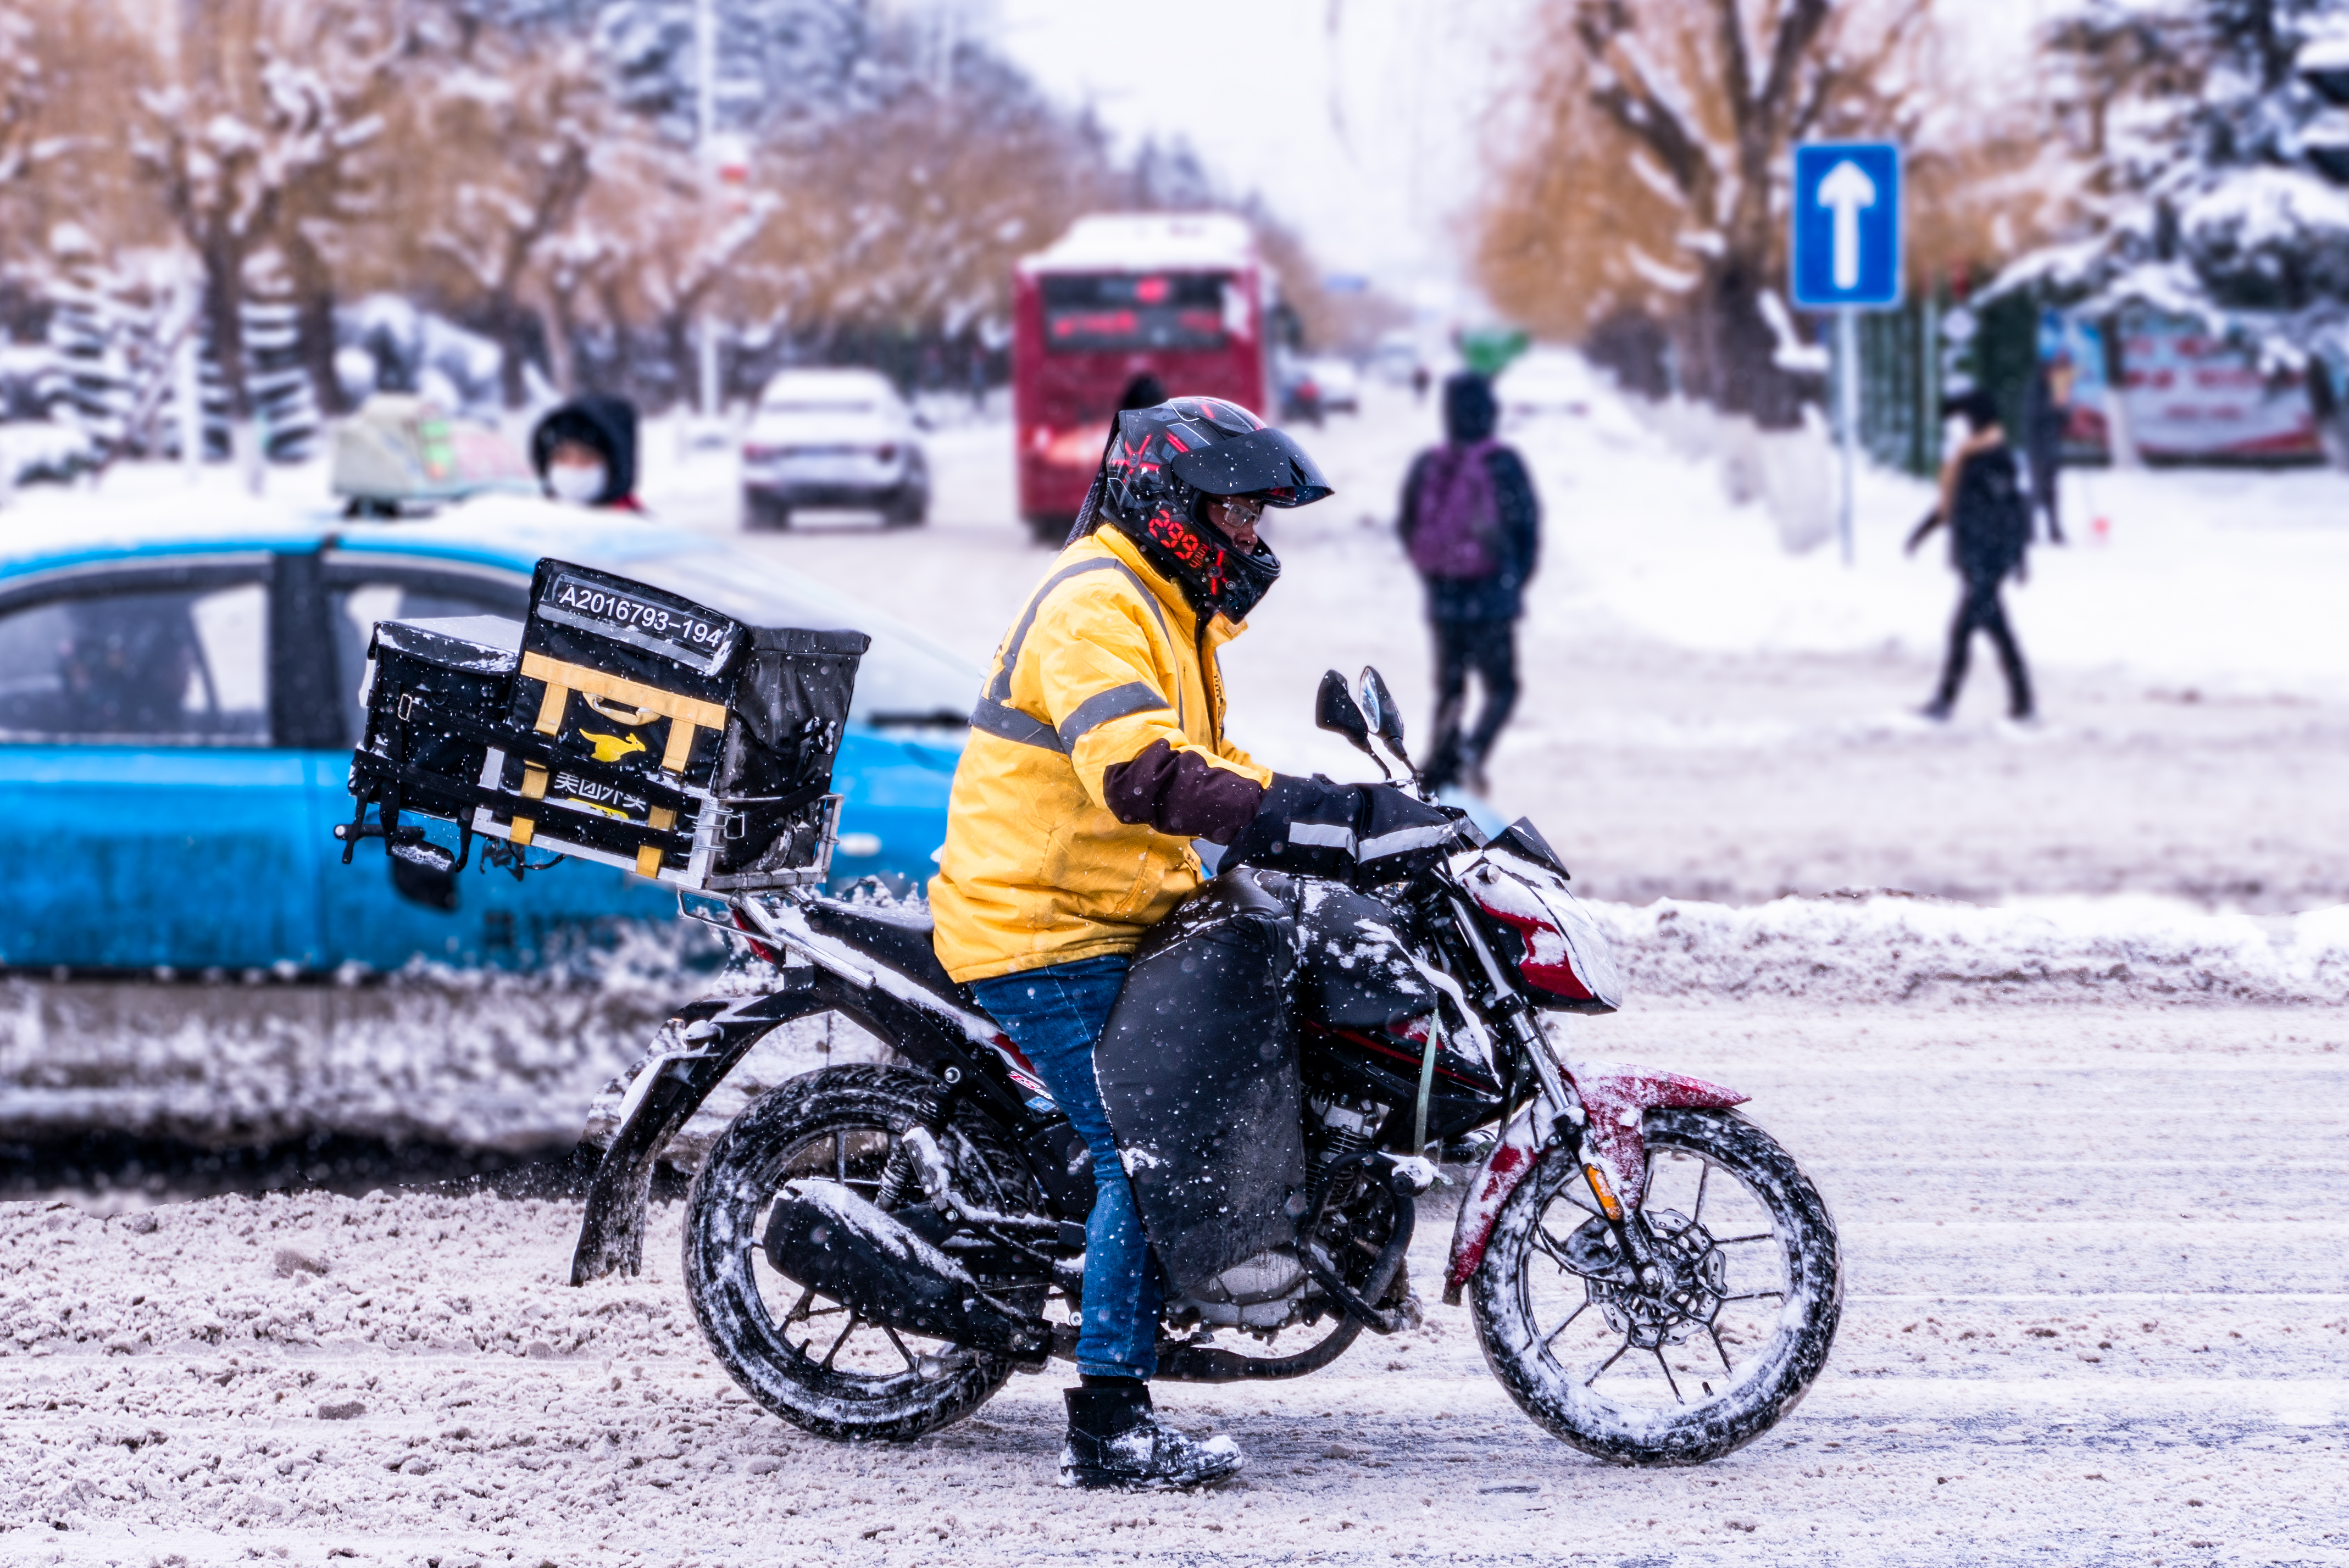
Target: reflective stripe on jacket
{"points": [[1099, 728]]}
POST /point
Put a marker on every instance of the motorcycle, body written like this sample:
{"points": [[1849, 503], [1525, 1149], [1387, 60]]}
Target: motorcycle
{"points": [[872, 1251]]}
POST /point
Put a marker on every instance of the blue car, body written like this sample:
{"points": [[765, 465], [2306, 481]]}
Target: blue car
{"points": [[178, 708]]}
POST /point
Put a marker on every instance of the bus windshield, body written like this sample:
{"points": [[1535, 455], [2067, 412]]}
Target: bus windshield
{"points": [[1091, 312]]}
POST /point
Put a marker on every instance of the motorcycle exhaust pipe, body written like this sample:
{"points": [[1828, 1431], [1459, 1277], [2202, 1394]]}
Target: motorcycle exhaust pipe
{"points": [[839, 1245]]}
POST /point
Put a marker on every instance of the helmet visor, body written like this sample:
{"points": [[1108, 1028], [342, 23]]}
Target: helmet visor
{"points": [[1263, 462]]}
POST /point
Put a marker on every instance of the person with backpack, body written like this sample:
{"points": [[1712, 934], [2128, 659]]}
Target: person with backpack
{"points": [[1472, 526], [1989, 517]]}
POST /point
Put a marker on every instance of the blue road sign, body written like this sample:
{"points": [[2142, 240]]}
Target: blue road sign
{"points": [[1847, 220]]}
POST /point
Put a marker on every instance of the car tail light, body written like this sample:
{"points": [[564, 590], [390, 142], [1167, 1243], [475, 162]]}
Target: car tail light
{"points": [[765, 454], [887, 453]]}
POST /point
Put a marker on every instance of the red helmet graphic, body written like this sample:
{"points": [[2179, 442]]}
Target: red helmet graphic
{"points": [[1164, 461]]}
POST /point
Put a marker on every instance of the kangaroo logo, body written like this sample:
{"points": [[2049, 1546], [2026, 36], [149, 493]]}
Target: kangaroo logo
{"points": [[612, 748]]}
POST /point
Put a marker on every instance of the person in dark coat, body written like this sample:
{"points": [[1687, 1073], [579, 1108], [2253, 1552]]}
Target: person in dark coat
{"points": [[585, 452], [1990, 529], [1144, 391], [2046, 415], [1472, 526]]}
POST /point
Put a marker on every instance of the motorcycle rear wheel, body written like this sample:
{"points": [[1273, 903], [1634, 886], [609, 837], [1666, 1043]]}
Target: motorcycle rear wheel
{"points": [[869, 1382], [1628, 1374]]}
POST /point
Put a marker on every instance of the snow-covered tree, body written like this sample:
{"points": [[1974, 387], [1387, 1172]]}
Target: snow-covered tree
{"points": [[65, 71], [277, 371], [783, 65], [906, 220], [685, 239], [98, 333], [1649, 169], [500, 148], [257, 144], [2220, 134], [21, 90]]}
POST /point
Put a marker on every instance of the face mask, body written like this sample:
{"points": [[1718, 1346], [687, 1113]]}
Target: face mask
{"points": [[578, 483]]}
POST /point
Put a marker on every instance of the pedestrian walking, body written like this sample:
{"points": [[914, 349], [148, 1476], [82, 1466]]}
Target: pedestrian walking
{"points": [[2046, 416], [1472, 526], [1989, 519]]}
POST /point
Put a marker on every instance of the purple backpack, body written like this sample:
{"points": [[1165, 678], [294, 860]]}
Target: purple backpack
{"points": [[1458, 521]]}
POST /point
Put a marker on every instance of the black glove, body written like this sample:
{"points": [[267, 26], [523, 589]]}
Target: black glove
{"points": [[1315, 828]]}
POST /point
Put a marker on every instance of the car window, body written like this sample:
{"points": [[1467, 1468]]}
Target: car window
{"points": [[173, 667], [905, 680], [359, 605], [797, 409]]}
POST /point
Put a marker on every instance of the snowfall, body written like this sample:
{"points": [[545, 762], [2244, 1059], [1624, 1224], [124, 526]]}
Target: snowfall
{"points": [[2054, 1017]]}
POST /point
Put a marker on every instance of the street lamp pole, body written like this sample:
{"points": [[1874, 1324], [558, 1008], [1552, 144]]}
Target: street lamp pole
{"points": [[705, 49]]}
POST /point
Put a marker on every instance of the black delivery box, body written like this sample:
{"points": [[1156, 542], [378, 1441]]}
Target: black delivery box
{"points": [[430, 686], [631, 726]]}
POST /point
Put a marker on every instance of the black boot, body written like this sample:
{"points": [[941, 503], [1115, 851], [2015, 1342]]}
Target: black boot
{"points": [[1116, 1441]]}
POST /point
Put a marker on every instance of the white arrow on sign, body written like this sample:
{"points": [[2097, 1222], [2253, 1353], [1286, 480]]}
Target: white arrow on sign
{"points": [[1845, 191]]}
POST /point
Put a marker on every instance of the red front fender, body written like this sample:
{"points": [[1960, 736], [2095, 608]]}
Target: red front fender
{"points": [[1614, 1096]]}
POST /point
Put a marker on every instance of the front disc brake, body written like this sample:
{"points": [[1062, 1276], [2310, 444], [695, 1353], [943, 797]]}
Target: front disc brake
{"points": [[1693, 1273]]}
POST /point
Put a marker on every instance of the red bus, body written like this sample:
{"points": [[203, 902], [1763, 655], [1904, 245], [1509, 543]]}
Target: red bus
{"points": [[1176, 295]]}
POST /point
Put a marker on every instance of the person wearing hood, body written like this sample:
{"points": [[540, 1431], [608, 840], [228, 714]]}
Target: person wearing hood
{"points": [[585, 452], [1472, 526], [1097, 757], [1988, 513]]}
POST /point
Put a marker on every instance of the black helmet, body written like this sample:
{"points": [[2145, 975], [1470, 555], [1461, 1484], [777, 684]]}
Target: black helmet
{"points": [[1161, 466]]}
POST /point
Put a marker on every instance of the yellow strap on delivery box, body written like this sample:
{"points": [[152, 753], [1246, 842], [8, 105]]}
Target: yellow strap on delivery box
{"points": [[685, 713]]}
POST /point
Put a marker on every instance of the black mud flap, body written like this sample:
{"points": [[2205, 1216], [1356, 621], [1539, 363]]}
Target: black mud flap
{"points": [[1198, 1071], [827, 1238], [704, 1041]]}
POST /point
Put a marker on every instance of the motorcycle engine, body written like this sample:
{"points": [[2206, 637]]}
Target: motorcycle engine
{"points": [[1267, 1293], [1256, 1294]]}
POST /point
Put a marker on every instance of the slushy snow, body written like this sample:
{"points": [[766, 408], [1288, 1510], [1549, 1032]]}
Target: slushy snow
{"points": [[2051, 1017]]}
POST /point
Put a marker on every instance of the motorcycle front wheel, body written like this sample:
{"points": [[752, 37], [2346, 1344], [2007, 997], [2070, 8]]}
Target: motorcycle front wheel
{"points": [[810, 1360], [1696, 1360]]}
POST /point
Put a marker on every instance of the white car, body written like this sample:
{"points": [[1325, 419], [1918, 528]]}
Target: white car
{"points": [[834, 438], [1544, 383], [1396, 359], [1340, 385]]}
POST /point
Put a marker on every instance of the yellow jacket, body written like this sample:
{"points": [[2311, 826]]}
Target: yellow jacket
{"points": [[1096, 755]]}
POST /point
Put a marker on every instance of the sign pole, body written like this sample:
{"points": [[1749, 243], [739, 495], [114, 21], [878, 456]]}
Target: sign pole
{"points": [[1844, 255], [1847, 416]]}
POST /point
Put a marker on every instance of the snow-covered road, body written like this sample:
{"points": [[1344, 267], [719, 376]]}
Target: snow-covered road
{"points": [[1705, 716], [2086, 1143], [2096, 1313]]}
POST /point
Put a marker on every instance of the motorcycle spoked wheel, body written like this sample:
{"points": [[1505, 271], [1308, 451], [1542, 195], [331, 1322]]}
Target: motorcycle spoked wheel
{"points": [[1689, 1372], [810, 1360]]}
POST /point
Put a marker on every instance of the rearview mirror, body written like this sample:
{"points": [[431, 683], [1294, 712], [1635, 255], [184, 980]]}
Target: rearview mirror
{"points": [[1333, 708], [1386, 718]]}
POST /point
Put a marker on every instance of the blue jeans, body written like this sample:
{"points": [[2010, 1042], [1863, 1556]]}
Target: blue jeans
{"points": [[1054, 1016]]}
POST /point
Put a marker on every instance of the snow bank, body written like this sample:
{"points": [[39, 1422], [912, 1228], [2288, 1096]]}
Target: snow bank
{"points": [[1894, 947], [1671, 521], [519, 1062]]}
